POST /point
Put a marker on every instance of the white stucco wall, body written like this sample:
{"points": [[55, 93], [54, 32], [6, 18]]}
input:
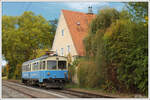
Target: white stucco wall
{"points": [[65, 40]]}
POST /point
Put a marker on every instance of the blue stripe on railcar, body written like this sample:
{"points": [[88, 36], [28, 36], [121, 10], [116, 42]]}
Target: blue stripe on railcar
{"points": [[55, 74], [41, 75], [26, 75]]}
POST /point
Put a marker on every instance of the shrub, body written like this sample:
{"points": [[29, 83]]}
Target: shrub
{"points": [[88, 74], [127, 50]]}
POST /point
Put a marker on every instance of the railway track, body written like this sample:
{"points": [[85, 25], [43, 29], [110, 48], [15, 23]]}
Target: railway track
{"points": [[30, 91], [83, 94], [77, 94], [20, 91]]}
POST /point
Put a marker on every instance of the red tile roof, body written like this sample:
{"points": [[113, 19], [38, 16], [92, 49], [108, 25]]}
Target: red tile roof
{"points": [[77, 23]]}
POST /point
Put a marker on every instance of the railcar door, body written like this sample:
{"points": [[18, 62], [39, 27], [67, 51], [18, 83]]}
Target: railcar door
{"points": [[41, 70], [62, 66]]}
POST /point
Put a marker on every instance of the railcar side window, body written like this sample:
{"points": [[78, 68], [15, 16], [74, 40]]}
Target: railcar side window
{"points": [[61, 64], [36, 66], [43, 65], [29, 67], [25, 68], [51, 64], [40, 65], [32, 66]]}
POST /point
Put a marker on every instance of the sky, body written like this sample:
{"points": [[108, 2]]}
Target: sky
{"points": [[51, 10]]}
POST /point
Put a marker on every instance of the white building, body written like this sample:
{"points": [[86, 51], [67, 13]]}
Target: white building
{"points": [[71, 30]]}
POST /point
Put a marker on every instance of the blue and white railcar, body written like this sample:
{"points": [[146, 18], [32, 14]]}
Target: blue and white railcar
{"points": [[50, 71]]}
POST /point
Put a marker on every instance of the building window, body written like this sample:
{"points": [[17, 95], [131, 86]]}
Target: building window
{"points": [[68, 47], [56, 52], [62, 51], [62, 32]]}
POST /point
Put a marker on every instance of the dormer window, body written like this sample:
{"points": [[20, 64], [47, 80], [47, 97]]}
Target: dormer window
{"points": [[62, 32], [78, 23]]}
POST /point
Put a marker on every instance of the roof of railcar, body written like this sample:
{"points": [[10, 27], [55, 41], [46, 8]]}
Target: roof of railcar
{"points": [[40, 58]]}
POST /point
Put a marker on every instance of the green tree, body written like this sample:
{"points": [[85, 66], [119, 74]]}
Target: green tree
{"points": [[97, 27], [126, 47], [22, 37], [138, 10], [94, 41], [118, 43], [3, 71], [95, 69], [54, 24]]}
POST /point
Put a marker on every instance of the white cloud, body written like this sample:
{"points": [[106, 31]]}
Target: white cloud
{"points": [[85, 5]]}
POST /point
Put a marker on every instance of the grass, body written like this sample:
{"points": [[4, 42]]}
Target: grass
{"points": [[4, 78], [75, 86], [97, 90], [13, 80], [71, 85]]}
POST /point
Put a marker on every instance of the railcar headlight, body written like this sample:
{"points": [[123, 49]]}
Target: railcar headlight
{"points": [[48, 73]]}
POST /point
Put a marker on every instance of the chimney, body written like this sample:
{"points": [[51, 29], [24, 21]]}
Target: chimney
{"points": [[90, 10]]}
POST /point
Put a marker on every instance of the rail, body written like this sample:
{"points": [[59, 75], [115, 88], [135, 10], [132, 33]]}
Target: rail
{"points": [[78, 94], [28, 94]]}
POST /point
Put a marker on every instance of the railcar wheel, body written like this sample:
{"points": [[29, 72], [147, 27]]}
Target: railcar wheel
{"points": [[41, 85], [61, 87]]}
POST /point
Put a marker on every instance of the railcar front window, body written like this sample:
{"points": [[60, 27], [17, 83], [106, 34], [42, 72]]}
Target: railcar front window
{"points": [[62, 65], [51, 65]]}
